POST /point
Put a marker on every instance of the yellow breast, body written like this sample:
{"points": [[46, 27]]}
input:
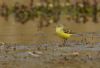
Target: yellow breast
{"points": [[61, 33]]}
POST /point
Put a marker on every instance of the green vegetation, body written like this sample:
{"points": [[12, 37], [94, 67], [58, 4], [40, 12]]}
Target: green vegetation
{"points": [[51, 11]]}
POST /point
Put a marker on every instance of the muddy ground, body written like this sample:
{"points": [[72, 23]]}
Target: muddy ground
{"points": [[47, 56]]}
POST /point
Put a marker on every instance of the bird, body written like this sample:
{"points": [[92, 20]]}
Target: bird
{"points": [[61, 33]]}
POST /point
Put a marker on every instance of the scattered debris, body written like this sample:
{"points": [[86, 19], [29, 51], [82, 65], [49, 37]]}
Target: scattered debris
{"points": [[34, 55]]}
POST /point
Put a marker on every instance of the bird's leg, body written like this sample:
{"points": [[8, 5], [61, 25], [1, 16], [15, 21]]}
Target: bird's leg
{"points": [[64, 42]]}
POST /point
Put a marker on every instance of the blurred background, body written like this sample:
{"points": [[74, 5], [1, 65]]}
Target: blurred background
{"points": [[34, 21]]}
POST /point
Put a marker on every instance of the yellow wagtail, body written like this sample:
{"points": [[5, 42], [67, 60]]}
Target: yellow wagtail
{"points": [[60, 32]]}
